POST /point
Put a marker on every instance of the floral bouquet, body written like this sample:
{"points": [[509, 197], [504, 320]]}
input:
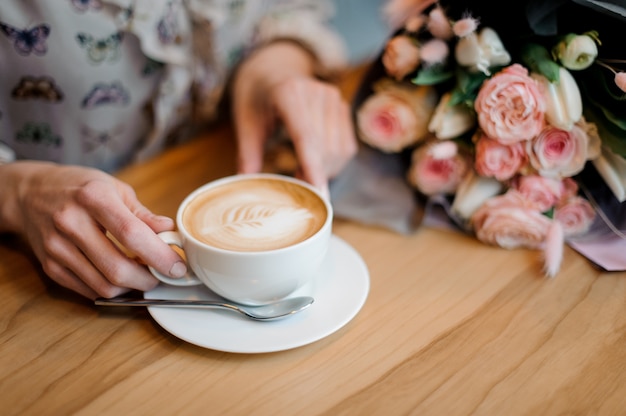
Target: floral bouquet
{"points": [[511, 115]]}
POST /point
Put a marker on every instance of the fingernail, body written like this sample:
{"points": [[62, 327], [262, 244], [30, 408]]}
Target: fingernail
{"points": [[163, 218], [178, 269]]}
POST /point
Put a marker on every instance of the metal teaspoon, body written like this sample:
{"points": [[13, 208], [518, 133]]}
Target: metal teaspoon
{"points": [[269, 312]]}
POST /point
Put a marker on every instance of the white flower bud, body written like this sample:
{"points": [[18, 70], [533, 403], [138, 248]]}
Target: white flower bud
{"points": [[577, 52], [564, 105]]}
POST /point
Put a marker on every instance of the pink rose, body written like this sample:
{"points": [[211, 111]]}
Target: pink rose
{"points": [[575, 215], [558, 153], [510, 106], [496, 160], [401, 56], [510, 221], [437, 168], [395, 116], [434, 51], [543, 192]]}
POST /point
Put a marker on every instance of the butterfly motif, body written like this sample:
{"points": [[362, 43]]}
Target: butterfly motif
{"points": [[83, 5], [102, 94], [43, 88], [92, 139], [167, 28], [28, 41], [38, 134], [100, 49]]}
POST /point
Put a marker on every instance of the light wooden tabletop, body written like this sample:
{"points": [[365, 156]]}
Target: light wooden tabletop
{"points": [[450, 327]]}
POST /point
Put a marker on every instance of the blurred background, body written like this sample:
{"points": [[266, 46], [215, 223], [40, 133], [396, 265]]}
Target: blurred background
{"points": [[361, 23]]}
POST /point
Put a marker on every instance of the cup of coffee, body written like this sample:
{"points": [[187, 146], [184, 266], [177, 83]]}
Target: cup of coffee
{"points": [[252, 238]]}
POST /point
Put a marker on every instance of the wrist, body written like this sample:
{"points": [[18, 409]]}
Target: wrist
{"points": [[276, 61], [9, 212], [15, 177]]}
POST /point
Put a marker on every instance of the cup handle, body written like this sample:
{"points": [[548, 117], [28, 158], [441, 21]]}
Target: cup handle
{"points": [[189, 279]]}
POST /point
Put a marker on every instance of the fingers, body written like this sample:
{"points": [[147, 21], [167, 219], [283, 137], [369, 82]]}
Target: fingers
{"points": [[122, 217], [253, 123], [81, 249], [318, 121], [250, 150]]}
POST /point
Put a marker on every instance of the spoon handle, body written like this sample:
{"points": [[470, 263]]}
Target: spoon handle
{"points": [[207, 304]]}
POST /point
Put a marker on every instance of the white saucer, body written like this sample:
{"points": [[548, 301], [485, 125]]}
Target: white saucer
{"points": [[339, 292]]}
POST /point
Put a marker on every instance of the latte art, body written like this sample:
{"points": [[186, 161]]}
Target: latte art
{"points": [[254, 215]]}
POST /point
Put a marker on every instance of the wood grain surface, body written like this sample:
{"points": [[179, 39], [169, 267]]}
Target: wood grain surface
{"points": [[450, 327]]}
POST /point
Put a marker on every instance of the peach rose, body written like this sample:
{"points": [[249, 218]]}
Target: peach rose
{"points": [[510, 221], [401, 56], [558, 153], [395, 116], [543, 192], [570, 188], [439, 24], [575, 215], [437, 168], [496, 160], [510, 106]]}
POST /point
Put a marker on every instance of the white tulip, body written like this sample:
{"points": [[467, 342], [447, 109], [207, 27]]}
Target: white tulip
{"points": [[480, 51], [612, 168], [449, 121], [493, 47], [564, 105], [472, 192]]}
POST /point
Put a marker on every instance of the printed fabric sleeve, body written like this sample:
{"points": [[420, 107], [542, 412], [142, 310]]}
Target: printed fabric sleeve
{"points": [[235, 32], [200, 42]]}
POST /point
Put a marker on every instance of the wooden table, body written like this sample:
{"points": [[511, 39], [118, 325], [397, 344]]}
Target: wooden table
{"points": [[450, 327]]}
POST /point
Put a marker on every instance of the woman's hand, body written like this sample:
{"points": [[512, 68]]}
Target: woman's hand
{"points": [[65, 212], [276, 84]]}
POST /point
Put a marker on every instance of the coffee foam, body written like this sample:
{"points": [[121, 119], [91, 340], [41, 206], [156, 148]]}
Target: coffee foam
{"points": [[254, 215]]}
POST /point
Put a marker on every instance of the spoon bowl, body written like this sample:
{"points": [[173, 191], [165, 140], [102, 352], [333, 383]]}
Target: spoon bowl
{"points": [[270, 312]]}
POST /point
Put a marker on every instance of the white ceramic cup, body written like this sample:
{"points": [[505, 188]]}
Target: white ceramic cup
{"points": [[258, 276]]}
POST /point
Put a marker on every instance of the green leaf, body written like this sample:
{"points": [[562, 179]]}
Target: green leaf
{"points": [[468, 85], [432, 75], [538, 59]]}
